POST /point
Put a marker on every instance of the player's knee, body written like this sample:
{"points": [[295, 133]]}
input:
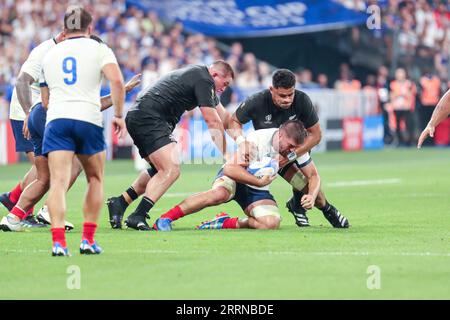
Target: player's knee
{"points": [[219, 195], [272, 222], [173, 172], [268, 216]]}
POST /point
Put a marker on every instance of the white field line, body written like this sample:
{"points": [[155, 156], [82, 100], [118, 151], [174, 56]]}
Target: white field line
{"points": [[295, 253], [337, 184], [178, 194], [355, 183]]}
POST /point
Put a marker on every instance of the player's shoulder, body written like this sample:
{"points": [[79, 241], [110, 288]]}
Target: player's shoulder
{"points": [[301, 98], [259, 96], [197, 71], [42, 48], [301, 94], [256, 99]]}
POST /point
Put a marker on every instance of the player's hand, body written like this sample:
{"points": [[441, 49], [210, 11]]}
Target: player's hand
{"points": [[247, 151], [133, 82], [25, 131], [265, 180], [307, 201], [282, 161], [428, 131], [119, 127]]}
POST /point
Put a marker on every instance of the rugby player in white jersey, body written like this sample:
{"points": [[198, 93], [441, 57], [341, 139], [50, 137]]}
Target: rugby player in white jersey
{"points": [[234, 182], [26, 93], [70, 87]]}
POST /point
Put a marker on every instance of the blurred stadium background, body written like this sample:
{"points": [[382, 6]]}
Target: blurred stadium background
{"points": [[345, 53]]}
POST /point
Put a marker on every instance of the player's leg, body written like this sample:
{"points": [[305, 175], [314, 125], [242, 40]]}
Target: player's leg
{"points": [[168, 171], [36, 190], [20, 211], [9, 199], [259, 206], [330, 212], [60, 165], [263, 214], [43, 215], [33, 193], [292, 174], [118, 205], [93, 166], [194, 203]]}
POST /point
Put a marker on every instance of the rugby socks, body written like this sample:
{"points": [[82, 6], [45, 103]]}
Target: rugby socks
{"points": [[18, 212], [297, 196], [89, 232], [59, 236], [230, 223], [174, 214], [144, 206], [15, 193], [326, 208], [131, 193]]}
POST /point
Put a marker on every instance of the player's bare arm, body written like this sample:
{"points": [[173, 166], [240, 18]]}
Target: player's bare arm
{"points": [[239, 174], [45, 97], [114, 75], [224, 116], [235, 127], [24, 92], [440, 113], [236, 169], [24, 96], [312, 139], [311, 173], [106, 101], [216, 127]]}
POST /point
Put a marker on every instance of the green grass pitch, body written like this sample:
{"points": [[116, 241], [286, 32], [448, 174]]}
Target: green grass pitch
{"points": [[397, 202]]}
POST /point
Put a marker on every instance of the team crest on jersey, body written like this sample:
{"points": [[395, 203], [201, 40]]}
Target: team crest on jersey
{"points": [[268, 119]]}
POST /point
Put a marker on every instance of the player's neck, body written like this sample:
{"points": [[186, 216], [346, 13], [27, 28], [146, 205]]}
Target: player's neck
{"points": [[76, 35]]}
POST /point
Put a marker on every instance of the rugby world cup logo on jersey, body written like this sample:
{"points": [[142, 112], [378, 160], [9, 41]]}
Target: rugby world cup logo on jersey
{"points": [[268, 119]]}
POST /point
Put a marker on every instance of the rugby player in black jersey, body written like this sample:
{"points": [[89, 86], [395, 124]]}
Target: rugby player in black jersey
{"points": [[150, 123], [272, 107]]}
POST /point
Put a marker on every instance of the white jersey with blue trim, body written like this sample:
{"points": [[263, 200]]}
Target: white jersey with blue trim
{"points": [[72, 70], [262, 139], [33, 67]]}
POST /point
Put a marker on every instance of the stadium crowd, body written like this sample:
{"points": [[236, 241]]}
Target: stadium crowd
{"points": [[142, 43], [145, 44]]}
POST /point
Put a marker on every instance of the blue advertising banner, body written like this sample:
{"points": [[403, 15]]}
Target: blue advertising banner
{"points": [[244, 18], [373, 133]]}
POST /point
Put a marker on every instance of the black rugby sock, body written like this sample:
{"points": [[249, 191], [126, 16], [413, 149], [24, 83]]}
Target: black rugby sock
{"points": [[326, 208], [297, 196], [144, 206], [123, 202]]}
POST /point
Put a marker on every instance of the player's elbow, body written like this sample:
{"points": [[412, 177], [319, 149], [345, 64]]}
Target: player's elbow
{"points": [[117, 83], [227, 170]]}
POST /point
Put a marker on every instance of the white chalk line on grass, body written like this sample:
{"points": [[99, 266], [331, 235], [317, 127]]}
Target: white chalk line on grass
{"points": [[294, 253], [337, 184], [356, 183]]}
